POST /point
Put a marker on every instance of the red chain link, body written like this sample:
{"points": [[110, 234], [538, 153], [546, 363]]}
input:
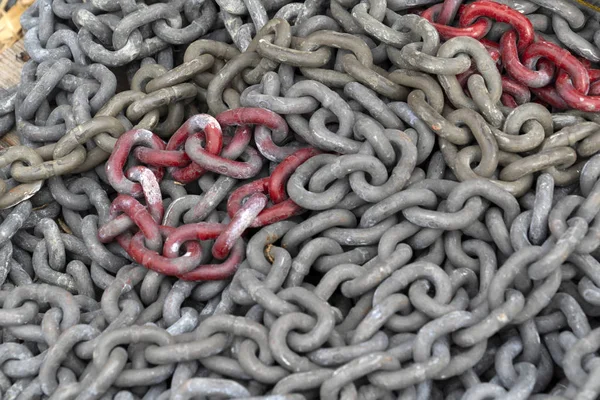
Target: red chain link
{"points": [[554, 76], [477, 31], [198, 147]]}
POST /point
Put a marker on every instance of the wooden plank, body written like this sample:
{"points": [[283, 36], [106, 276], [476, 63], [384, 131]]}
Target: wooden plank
{"points": [[11, 65]]}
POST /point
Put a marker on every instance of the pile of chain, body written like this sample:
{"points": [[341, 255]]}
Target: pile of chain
{"points": [[381, 199]]}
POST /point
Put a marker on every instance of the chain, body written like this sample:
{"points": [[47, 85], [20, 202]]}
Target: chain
{"points": [[278, 200], [187, 81]]}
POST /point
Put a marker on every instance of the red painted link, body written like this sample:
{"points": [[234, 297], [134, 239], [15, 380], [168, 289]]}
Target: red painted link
{"points": [[241, 221], [492, 47], [118, 158], [217, 272], [248, 168], [236, 145], [205, 127], [478, 30], [265, 141], [185, 170], [145, 246], [255, 116], [174, 266], [284, 170], [448, 11], [162, 158], [519, 72], [594, 82], [204, 231], [151, 189], [278, 212], [140, 216], [562, 58], [190, 232], [501, 13], [234, 148], [594, 75], [152, 194], [549, 95], [186, 266], [283, 207], [575, 98], [508, 101], [514, 93]]}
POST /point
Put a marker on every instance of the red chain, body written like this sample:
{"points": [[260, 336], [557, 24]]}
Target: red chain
{"points": [[477, 31], [137, 225], [555, 76]]}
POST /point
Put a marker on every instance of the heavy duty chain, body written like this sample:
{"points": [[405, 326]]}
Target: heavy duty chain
{"points": [[379, 199]]}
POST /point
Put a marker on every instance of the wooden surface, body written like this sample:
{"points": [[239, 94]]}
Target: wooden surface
{"points": [[11, 64]]}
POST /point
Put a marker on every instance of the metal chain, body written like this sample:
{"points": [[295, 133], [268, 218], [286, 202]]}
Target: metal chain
{"points": [[277, 200]]}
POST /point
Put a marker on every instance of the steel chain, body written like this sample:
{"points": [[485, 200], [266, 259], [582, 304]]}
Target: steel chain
{"points": [[267, 199]]}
